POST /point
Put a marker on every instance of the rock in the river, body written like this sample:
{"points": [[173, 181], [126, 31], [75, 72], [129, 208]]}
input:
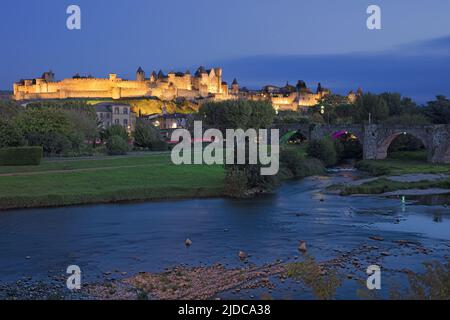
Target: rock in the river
{"points": [[376, 238], [302, 246], [188, 242], [242, 255]]}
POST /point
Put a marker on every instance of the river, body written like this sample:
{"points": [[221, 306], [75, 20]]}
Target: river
{"points": [[37, 244]]}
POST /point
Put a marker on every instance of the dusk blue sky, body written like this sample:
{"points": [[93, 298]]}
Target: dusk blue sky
{"points": [[257, 41]]}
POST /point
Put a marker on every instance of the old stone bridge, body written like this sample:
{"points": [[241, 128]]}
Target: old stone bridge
{"points": [[376, 139]]}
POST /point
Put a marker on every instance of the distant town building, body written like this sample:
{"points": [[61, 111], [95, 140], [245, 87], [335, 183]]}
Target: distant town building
{"points": [[291, 97], [115, 114], [169, 121]]}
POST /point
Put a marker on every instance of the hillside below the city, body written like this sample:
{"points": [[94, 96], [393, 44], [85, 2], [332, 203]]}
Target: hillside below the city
{"points": [[145, 106]]}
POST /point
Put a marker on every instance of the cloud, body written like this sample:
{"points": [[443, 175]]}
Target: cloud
{"points": [[436, 46], [420, 70]]}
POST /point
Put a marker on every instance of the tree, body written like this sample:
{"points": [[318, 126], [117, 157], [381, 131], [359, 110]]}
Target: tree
{"points": [[399, 105], [116, 130], [43, 121], [290, 116], [438, 110], [408, 119], [323, 150], [57, 130], [83, 124], [9, 109], [240, 114], [345, 113], [317, 118], [10, 136], [146, 135], [373, 105], [334, 100]]}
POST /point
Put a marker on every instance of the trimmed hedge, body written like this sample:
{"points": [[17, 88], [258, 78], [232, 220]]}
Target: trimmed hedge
{"points": [[21, 156]]}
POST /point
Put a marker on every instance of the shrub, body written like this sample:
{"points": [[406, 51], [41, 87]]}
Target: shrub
{"points": [[235, 182], [21, 156], [159, 145], [148, 137], [291, 159], [116, 145], [310, 167], [116, 130], [52, 142], [324, 150], [10, 136], [294, 165]]}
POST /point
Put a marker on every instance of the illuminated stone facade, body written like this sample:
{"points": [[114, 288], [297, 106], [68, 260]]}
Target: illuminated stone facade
{"points": [[293, 97], [204, 83], [299, 96]]}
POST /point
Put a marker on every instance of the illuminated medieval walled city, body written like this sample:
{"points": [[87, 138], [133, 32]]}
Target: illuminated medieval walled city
{"points": [[206, 84]]}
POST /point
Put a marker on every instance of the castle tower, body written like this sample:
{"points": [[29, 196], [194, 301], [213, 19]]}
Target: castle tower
{"points": [[161, 75], [319, 88], [140, 75], [235, 87], [48, 76], [301, 85], [153, 76]]}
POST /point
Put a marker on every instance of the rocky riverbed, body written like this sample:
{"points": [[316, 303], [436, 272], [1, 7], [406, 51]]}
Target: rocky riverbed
{"points": [[300, 274]]}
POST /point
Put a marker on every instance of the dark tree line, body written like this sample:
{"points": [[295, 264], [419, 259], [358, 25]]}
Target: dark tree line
{"points": [[390, 108]]}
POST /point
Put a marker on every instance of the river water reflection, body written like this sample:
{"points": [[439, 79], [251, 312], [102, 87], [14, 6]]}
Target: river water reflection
{"points": [[150, 236]]}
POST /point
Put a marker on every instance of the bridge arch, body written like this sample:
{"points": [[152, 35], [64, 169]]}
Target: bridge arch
{"points": [[446, 158], [376, 138], [293, 136], [385, 143]]}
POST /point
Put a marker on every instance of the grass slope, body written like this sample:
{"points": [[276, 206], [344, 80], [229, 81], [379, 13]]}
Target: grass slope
{"points": [[106, 180]]}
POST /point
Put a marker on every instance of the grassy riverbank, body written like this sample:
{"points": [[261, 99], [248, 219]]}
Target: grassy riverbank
{"points": [[383, 185], [71, 182], [401, 163]]}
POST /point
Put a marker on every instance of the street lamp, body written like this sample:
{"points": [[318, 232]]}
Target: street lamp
{"points": [[322, 110]]}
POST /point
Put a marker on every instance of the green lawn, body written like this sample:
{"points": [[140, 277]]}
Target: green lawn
{"points": [[106, 180]]}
